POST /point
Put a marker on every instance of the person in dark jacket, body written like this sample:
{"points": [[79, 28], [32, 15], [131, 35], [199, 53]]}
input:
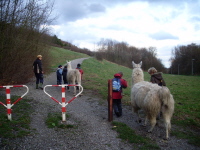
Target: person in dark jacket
{"points": [[64, 74], [117, 96], [59, 75], [156, 77], [37, 69]]}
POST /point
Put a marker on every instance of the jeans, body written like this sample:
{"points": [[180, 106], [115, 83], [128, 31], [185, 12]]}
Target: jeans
{"points": [[39, 78], [59, 79], [117, 106]]}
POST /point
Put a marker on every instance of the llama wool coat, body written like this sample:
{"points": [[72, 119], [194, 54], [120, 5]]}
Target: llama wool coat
{"points": [[124, 84]]}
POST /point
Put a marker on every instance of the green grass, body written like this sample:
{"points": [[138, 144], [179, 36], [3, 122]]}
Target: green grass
{"points": [[129, 135], [192, 137], [60, 55], [55, 120], [19, 126], [96, 75], [185, 90]]}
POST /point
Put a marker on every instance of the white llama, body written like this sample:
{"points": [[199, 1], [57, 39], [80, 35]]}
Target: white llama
{"points": [[73, 76], [151, 98]]}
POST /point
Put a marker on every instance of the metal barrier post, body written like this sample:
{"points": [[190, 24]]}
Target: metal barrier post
{"points": [[110, 101], [63, 104], [8, 99]]}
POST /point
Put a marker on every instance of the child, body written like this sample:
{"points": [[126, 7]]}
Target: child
{"points": [[59, 75], [117, 95], [80, 70], [64, 73], [156, 77]]}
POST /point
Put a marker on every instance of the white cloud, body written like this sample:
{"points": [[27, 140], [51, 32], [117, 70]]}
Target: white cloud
{"points": [[163, 25]]}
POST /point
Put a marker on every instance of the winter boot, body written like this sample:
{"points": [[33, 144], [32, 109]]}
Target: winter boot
{"points": [[36, 86], [41, 86]]}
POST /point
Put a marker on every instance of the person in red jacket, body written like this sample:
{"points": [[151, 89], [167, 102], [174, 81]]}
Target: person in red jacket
{"points": [[117, 95], [80, 70]]}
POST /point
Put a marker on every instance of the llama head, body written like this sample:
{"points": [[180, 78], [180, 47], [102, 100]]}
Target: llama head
{"points": [[136, 65], [137, 74], [69, 64]]}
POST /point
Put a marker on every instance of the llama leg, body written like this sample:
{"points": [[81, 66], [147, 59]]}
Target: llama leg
{"points": [[74, 87], [145, 122], [74, 90], [153, 123], [137, 114], [168, 128]]}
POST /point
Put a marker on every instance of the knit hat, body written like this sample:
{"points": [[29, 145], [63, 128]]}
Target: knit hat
{"points": [[59, 66]]}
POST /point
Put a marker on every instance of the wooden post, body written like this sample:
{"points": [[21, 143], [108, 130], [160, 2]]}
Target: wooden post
{"points": [[110, 102]]}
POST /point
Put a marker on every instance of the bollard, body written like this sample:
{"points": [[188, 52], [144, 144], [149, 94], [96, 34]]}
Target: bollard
{"points": [[63, 104], [8, 100], [110, 101]]}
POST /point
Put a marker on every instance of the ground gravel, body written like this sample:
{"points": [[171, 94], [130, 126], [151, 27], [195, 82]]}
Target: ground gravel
{"points": [[89, 114]]}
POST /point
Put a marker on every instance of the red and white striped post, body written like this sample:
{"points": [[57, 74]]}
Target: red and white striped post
{"points": [[8, 99], [63, 104]]}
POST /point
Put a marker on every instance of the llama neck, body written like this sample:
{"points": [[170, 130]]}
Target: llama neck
{"points": [[69, 67], [137, 76]]}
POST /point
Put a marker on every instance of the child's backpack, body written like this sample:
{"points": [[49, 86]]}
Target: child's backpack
{"points": [[116, 84]]}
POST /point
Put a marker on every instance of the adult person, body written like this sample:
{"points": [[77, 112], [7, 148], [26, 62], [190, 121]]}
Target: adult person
{"points": [[156, 77], [117, 94], [37, 69]]}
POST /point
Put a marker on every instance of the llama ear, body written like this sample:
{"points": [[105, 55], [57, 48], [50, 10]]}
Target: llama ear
{"points": [[133, 63], [140, 64]]}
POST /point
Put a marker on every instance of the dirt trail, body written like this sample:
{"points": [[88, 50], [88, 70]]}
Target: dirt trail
{"points": [[92, 132]]}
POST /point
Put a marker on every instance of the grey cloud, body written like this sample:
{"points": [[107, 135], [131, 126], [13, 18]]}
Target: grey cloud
{"points": [[68, 10], [162, 35], [97, 8], [195, 19], [72, 10]]}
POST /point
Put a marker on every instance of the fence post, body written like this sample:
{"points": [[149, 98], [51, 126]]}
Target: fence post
{"points": [[110, 102], [8, 104], [63, 103]]}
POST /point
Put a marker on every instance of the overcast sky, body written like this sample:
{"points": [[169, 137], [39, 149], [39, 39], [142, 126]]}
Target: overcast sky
{"points": [[163, 24]]}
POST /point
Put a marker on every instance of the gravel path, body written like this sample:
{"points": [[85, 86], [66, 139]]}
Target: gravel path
{"points": [[92, 132]]}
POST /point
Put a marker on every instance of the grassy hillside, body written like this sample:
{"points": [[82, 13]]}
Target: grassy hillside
{"points": [[60, 55], [185, 89]]}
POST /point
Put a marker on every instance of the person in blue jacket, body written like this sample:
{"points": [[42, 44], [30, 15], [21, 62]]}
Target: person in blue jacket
{"points": [[59, 75]]}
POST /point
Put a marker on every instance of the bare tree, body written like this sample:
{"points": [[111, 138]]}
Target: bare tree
{"points": [[22, 25], [185, 60], [123, 54]]}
